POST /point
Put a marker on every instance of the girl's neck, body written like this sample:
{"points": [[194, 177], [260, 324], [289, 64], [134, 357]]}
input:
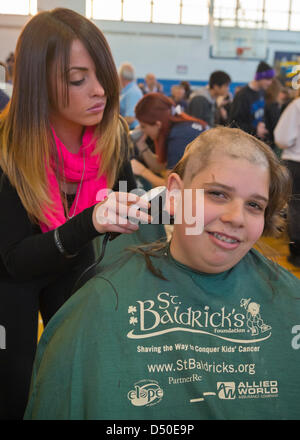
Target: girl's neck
{"points": [[69, 133]]}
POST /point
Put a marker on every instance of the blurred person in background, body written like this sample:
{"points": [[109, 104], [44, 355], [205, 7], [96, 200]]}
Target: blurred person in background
{"points": [[202, 103], [151, 85], [187, 89], [273, 109], [287, 138], [178, 96], [130, 94], [171, 131], [248, 106]]}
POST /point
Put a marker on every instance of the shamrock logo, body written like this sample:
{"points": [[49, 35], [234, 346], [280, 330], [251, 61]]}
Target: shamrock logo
{"points": [[133, 320]]}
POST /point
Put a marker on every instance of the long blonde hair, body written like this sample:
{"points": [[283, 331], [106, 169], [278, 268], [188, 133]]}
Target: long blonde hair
{"points": [[26, 145]]}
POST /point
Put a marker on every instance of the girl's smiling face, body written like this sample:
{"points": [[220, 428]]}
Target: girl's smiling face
{"points": [[235, 198]]}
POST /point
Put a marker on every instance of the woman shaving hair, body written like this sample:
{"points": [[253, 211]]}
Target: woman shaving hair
{"points": [[169, 128], [210, 337], [62, 144]]}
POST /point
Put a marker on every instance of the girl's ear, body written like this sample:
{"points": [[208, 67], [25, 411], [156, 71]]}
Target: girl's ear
{"points": [[158, 123], [174, 191]]}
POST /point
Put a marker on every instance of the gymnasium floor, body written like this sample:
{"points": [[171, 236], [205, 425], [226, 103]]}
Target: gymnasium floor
{"points": [[276, 249]]}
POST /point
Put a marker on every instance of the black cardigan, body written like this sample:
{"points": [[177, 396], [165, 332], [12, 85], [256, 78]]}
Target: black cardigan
{"points": [[25, 252]]}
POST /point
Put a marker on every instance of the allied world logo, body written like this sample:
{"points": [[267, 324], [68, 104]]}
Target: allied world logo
{"points": [[226, 390], [246, 390]]}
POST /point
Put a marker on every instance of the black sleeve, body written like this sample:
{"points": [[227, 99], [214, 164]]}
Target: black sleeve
{"points": [[25, 251], [240, 116], [200, 108], [272, 115]]}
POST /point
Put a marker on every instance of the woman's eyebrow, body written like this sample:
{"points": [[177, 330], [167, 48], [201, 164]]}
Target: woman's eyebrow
{"points": [[231, 189], [84, 69]]}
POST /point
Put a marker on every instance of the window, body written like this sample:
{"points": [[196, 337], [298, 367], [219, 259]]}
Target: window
{"points": [[157, 11], [19, 7], [225, 12], [194, 12], [250, 13], [166, 11], [295, 16], [295, 5], [106, 9], [137, 10], [277, 14]]}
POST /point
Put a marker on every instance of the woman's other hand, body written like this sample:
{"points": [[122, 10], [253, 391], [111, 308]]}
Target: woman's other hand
{"points": [[141, 143], [137, 167]]}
